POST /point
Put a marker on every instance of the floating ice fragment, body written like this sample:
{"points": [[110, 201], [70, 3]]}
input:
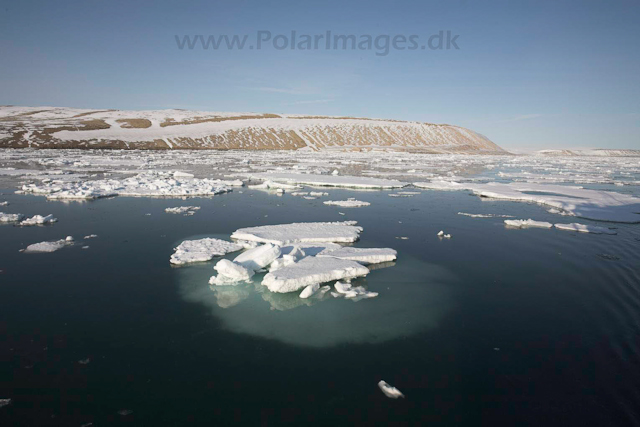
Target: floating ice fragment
{"points": [[318, 194], [5, 203], [362, 255], [484, 215], [7, 217], [440, 233], [523, 223], [39, 220], [91, 236], [284, 234], [310, 290], [202, 250], [312, 270], [349, 203], [260, 257], [389, 391], [4, 402], [230, 273], [47, 247], [584, 228], [330, 180], [186, 210]]}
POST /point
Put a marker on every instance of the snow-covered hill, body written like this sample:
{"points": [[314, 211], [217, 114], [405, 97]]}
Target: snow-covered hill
{"points": [[48, 127]]}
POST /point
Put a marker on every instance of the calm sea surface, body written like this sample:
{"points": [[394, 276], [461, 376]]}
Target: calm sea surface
{"points": [[495, 326]]}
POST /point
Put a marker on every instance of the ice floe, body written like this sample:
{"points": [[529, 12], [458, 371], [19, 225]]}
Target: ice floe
{"points": [[349, 203], [330, 180], [312, 270], [202, 250], [8, 217], [576, 201], [284, 234], [525, 223], [352, 292], [484, 215], [584, 228], [389, 391], [185, 210], [150, 184], [361, 255], [230, 273], [39, 220], [259, 257], [47, 247]]}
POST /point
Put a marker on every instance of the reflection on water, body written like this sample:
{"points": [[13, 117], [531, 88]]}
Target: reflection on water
{"points": [[413, 297]]}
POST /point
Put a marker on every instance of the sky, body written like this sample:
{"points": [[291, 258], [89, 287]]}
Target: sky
{"points": [[528, 75]]}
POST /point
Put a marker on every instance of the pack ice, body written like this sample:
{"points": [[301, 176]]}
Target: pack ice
{"points": [[575, 201], [202, 250], [149, 183]]}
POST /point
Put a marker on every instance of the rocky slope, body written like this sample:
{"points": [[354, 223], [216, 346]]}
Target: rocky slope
{"points": [[47, 127]]}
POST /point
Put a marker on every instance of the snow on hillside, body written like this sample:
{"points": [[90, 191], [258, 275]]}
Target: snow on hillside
{"points": [[47, 127]]}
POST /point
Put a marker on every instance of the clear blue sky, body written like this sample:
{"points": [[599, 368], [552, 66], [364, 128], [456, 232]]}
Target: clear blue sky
{"points": [[528, 74]]}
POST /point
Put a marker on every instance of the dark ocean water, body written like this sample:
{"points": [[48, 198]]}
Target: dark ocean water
{"points": [[494, 327]]}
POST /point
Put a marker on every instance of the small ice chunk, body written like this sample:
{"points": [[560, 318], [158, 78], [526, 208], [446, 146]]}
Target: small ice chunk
{"points": [[69, 239], [357, 292], [7, 217], [389, 391], [91, 236], [447, 236], [584, 228], [312, 270], [523, 223], [440, 233], [5, 203], [260, 257], [39, 220], [230, 272], [47, 247], [4, 402], [185, 210], [310, 290], [318, 193], [202, 250], [349, 203]]}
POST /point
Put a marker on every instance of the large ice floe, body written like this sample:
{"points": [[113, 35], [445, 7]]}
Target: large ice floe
{"points": [[150, 184], [329, 180], [312, 270], [201, 250], [284, 234], [575, 201]]}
